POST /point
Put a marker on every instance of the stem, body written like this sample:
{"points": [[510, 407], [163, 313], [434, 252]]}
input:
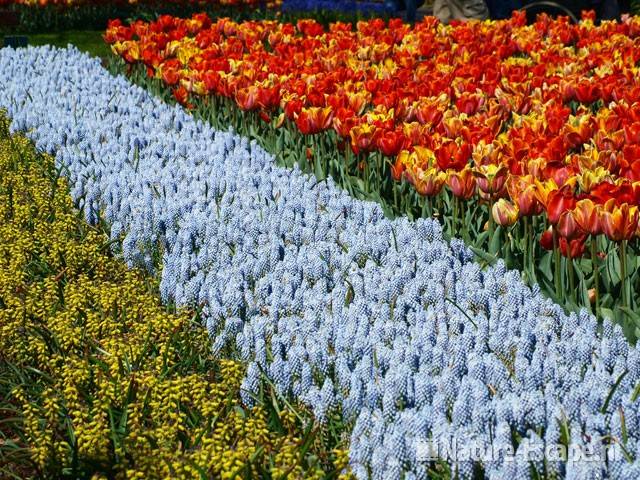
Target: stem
{"points": [[361, 158], [596, 272], [491, 226], [571, 274], [394, 185], [556, 276], [455, 215], [623, 273], [463, 218], [526, 242]]}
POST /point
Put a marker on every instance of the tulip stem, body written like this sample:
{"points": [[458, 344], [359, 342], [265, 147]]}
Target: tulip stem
{"points": [[463, 218], [490, 217], [596, 272], [532, 247], [455, 215], [571, 275], [556, 275], [623, 273], [526, 244]]}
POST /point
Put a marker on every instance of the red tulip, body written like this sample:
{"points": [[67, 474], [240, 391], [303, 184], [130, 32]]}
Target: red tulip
{"points": [[567, 225], [462, 183], [632, 133], [391, 142], [558, 202], [453, 156], [314, 120]]}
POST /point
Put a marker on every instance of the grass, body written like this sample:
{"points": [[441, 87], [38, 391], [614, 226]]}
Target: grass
{"points": [[89, 41]]}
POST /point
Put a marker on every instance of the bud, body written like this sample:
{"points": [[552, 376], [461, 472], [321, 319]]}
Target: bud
{"points": [[504, 212]]}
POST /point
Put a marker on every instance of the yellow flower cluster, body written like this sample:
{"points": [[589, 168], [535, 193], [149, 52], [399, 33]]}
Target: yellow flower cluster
{"points": [[109, 383]]}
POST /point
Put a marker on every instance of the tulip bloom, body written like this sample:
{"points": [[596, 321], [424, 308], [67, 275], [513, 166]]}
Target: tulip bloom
{"points": [[491, 178], [247, 98], [314, 120], [391, 142], [504, 212], [451, 155], [619, 222], [363, 137], [567, 225], [462, 183], [587, 217], [574, 248], [522, 191], [427, 183], [558, 202]]}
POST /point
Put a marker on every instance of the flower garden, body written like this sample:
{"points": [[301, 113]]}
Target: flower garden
{"points": [[268, 246]]}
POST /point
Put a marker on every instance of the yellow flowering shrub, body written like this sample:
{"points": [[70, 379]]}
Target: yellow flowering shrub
{"points": [[98, 379]]}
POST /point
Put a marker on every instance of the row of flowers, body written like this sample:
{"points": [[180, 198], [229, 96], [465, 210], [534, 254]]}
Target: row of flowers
{"points": [[379, 321], [536, 123], [98, 378], [481, 92]]}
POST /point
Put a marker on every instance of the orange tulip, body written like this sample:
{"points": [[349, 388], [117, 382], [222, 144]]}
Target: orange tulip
{"points": [[425, 157], [314, 120], [522, 191], [247, 98], [428, 183], [586, 216], [578, 130], [363, 137], [398, 168], [619, 222], [391, 142]]}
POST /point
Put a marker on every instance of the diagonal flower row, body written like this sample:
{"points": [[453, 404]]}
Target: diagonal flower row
{"points": [[529, 132], [543, 115], [380, 321]]}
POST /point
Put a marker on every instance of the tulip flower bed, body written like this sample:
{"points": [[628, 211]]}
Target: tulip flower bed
{"points": [[97, 378], [389, 334], [523, 140]]}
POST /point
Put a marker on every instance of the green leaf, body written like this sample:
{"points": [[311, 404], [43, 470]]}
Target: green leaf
{"points": [[633, 316], [545, 265], [584, 291], [495, 243], [317, 167], [613, 268], [487, 257], [350, 294], [612, 391]]}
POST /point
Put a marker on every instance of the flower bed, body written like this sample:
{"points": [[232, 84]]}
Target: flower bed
{"points": [[522, 139], [98, 379], [380, 323]]}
